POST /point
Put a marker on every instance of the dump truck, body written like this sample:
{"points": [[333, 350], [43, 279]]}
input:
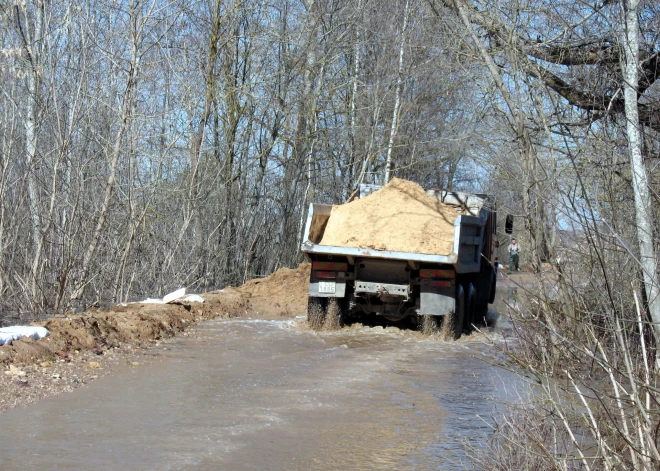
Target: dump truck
{"points": [[456, 286]]}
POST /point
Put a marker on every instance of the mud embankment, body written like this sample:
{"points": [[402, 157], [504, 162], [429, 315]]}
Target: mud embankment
{"points": [[282, 294]]}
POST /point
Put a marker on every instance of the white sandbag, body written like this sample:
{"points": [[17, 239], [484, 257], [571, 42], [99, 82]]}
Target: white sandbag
{"points": [[193, 298], [174, 295], [6, 338], [150, 301], [178, 295], [15, 332]]}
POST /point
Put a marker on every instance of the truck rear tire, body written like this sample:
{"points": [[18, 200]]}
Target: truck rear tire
{"points": [[489, 287], [492, 287], [458, 314], [470, 308], [316, 312]]}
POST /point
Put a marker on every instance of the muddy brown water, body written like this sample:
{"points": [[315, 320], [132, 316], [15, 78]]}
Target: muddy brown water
{"points": [[270, 395]]}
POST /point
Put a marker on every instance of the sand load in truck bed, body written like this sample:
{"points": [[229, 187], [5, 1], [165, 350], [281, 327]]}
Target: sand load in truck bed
{"points": [[400, 217]]}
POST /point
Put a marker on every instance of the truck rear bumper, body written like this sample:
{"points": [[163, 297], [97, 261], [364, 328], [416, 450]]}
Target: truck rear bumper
{"points": [[383, 290]]}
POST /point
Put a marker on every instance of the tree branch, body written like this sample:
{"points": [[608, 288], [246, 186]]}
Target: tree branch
{"points": [[597, 51]]}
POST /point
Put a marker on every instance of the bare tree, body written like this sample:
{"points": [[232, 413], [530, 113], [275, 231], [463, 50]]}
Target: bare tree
{"points": [[180, 143], [397, 93], [30, 27], [640, 180], [137, 24]]}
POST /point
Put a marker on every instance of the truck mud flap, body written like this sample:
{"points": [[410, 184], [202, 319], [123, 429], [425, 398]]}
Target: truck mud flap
{"points": [[436, 301]]}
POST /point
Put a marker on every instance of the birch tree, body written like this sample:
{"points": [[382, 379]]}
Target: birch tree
{"points": [[397, 93], [640, 180], [30, 25]]}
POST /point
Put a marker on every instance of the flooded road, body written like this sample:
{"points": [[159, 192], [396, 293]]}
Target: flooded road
{"points": [[255, 394]]}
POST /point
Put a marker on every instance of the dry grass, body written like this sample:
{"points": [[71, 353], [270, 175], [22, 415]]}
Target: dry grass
{"points": [[593, 393]]}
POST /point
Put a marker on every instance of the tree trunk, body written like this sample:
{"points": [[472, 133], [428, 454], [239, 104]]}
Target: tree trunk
{"points": [[397, 96], [127, 104], [354, 92], [640, 180], [293, 167], [535, 221], [198, 137], [32, 49]]}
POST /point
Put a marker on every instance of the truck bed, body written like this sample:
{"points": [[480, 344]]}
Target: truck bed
{"points": [[467, 243], [320, 213]]}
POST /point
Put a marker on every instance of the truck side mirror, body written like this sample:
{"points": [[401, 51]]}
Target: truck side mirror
{"points": [[508, 225]]}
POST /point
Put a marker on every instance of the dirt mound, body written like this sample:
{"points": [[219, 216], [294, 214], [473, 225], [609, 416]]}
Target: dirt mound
{"points": [[131, 324], [284, 293], [399, 217]]}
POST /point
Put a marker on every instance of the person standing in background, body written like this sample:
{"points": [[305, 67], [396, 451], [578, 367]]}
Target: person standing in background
{"points": [[514, 255]]}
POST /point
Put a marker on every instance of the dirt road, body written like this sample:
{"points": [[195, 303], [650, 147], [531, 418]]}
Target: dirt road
{"points": [[269, 394]]}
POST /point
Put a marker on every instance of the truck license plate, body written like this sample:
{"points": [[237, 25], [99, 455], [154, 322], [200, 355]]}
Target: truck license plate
{"points": [[327, 287]]}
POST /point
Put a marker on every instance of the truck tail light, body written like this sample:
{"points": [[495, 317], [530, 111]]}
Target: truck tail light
{"points": [[330, 266], [325, 274], [436, 273]]}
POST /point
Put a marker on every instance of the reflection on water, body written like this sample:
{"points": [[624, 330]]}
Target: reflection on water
{"points": [[251, 394], [512, 295]]}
